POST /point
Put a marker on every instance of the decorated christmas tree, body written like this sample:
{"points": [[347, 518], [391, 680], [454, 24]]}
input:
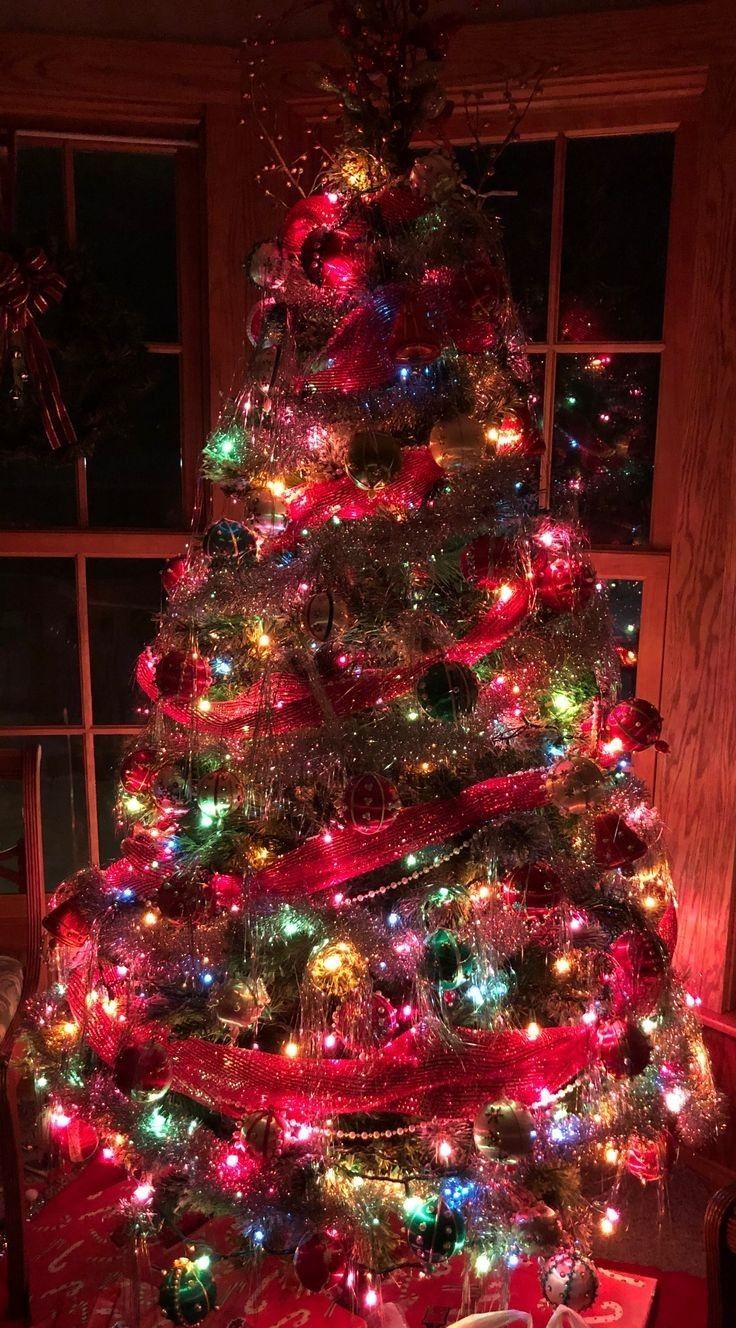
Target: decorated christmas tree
{"points": [[383, 971]]}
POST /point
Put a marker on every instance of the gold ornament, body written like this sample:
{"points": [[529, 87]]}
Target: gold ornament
{"points": [[458, 443], [336, 968], [373, 458], [575, 786], [241, 1004]]}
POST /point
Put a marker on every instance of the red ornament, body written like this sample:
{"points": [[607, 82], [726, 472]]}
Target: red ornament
{"points": [[534, 886], [371, 802], [667, 928], [635, 725], [262, 1132], [77, 1138], [228, 890], [143, 1072], [183, 674], [414, 340], [333, 258], [638, 972], [490, 559], [616, 844], [69, 923], [624, 1049], [650, 1160], [138, 769], [352, 1289], [318, 212], [320, 1259], [564, 581], [516, 434], [184, 901], [173, 574], [362, 1026]]}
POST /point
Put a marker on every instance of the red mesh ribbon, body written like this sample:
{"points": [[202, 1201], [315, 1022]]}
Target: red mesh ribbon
{"points": [[358, 356], [283, 702], [28, 288], [419, 1072], [417, 477], [317, 865]]}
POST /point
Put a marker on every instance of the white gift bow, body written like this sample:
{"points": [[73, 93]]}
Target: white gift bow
{"points": [[563, 1317]]}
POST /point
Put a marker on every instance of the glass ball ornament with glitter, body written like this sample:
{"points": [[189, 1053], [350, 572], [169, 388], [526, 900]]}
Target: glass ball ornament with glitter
{"points": [[569, 1279], [458, 444], [448, 691], [504, 1131], [371, 803], [434, 1231], [336, 967], [188, 1292], [373, 458], [226, 540], [143, 1072], [240, 1004]]}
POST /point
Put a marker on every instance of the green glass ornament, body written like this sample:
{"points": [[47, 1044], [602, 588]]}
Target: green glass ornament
{"points": [[188, 1291], [448, 691], [435, 1231], [448, 961]]}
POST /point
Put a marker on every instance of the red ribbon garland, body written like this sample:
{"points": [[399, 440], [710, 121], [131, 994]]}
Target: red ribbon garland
{"points": [[27, 289], [419, 1072], [283, 702]]}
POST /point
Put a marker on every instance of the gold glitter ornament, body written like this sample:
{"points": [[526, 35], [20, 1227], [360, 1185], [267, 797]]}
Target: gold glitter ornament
{"points": [[336, 968]]}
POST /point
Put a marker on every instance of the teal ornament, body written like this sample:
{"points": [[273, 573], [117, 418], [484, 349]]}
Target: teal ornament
{"points": [[435, 1231], [188, 1292], [448, 961], [448, 691], [228, 540]]}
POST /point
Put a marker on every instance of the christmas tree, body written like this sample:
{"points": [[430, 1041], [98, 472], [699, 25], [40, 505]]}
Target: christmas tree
{"points": [[384, 968]]}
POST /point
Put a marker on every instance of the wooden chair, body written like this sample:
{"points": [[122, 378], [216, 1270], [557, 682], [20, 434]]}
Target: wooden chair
{"points": [[720, 1257], [23, 866]]}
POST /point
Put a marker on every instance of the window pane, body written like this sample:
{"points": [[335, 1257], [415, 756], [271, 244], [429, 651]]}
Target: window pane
{"points": [[36, 494], [39, 195], [108, 755], [63, 808], [126, 221], [39, 666], [137, 484], [605, 426], [614, 252], [624, 602], [124, 595], [521, 186]]}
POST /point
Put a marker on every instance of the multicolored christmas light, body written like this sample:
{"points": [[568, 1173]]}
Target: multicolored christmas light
{"points": [[384, 969]]}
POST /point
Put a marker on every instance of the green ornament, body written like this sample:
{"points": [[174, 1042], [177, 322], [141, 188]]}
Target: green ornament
{"points": [[188, 1291], [448, 904], [435, 1231], [448, 960], [447, 691]]}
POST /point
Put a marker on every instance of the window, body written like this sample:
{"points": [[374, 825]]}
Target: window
{"points": [[82, 545], [585, 224]]}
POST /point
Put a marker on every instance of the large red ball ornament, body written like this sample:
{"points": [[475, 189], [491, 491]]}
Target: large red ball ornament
{"points": [[78, 1140], [333, 259], [320, 1260], [174, 573], [515, 434], [616, 844], [371, 802], [70, 923], [359, 1026], [638, 972], [489, 560], [138, 770], [143, 1072], [534, 886], [568, 1279], [624, 1049], [650, 1160], [184, 901], [414, 341], [183, 674], [262, 1131], [635, 724], [318, 212], [564, 581]]}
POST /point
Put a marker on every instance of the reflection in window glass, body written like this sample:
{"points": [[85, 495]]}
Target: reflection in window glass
{"points": [[36, 494], [614, 251], [521, 197], [138, 483], [126, 221], [603, 451], [108, 755], [63, 808], [624, 602], [39, 676], [39, 195], [124, 595]]}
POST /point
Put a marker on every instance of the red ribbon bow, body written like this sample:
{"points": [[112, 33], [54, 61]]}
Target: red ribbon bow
{"points": [[28, 287]]}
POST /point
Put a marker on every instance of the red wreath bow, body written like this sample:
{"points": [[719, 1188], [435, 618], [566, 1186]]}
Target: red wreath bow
{"points": [[28, 287]]}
